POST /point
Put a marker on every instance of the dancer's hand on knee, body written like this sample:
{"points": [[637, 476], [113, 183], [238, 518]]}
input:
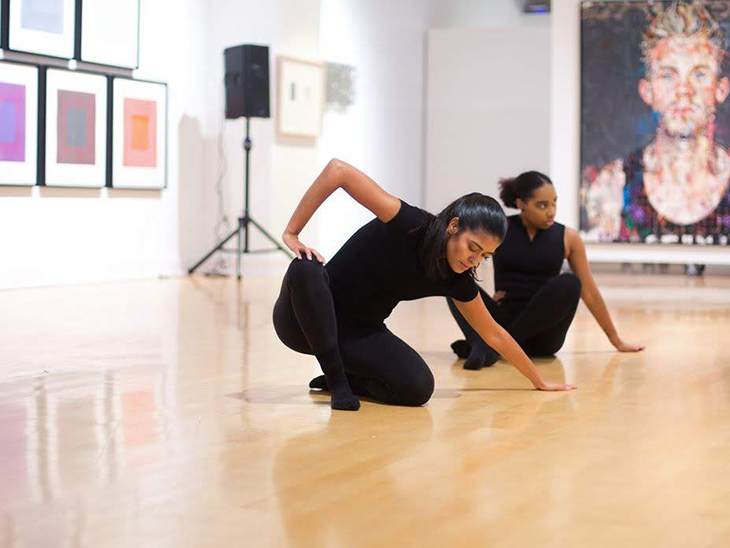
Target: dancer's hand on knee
{"points": [[555, 387], [292, 242]]}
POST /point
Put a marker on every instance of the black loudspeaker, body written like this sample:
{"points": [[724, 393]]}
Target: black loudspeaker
{"points": [[247, 81]]}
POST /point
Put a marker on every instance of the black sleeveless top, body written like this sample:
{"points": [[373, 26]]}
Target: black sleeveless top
{"points": [[639, 219], [522, 266], [378, 267]]}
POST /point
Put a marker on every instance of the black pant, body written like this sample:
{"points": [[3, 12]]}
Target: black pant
{"points": [[540, 327], [377, 363]]}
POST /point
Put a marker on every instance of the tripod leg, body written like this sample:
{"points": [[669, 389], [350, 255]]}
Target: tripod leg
{"points": [[270, 237], [239, 250], [216, 248]]}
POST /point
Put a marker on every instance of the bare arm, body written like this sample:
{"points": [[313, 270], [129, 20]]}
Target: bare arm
{"points": [[337, 174], [495, 336], [590, 294]]}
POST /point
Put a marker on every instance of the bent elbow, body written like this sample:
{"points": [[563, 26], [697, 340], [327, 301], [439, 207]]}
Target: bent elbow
{"points": [[335, 164]]}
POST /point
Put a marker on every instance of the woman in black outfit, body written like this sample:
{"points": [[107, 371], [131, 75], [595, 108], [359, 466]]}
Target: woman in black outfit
{"points": [[533, 301], [336, 312]]}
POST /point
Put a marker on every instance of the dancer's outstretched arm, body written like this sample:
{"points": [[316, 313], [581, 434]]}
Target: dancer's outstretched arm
{"points": [[337, 174], [590, 294], [497, 337]]}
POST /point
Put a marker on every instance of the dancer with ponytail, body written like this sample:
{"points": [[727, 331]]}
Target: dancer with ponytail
{"points": [[337, 312], [533, 301]]}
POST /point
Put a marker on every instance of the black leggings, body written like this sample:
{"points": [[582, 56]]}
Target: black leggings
{"points": [[540, 327], [377, 363]]}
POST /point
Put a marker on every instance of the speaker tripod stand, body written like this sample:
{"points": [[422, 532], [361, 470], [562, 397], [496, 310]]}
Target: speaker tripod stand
{"points": [[244, 224]]}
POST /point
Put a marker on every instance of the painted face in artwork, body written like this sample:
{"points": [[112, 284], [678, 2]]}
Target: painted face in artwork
{"points": [[683, 85]]}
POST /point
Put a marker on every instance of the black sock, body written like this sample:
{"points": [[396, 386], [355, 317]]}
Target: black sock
{"points": [[342, 396], [480, 356], [461, 348], [358, 386], [319, 383]]}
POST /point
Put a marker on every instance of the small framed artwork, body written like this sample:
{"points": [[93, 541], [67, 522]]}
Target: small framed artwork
{"points": [[138, 134], [75, 127], [45, 27], [18, 124], [301, 95], [109, 32]]}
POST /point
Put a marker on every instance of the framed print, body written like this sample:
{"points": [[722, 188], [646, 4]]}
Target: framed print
{"points": [[18, 124], [75, 128], [301, 97], [655, 122], [45, 27], [109, 32], [139, 134]]}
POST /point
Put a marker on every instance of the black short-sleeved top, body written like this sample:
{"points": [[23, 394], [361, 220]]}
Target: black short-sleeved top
{"points": [[379, 266], [522, 266]]}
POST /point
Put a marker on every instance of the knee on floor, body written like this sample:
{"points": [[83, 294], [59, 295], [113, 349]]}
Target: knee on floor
{"points": [[417, 390]]}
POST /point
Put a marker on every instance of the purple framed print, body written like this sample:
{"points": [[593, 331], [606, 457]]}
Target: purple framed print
{"points": [[44, 27], [139, 134], [75, 129], [110, 32], [18, 124]]}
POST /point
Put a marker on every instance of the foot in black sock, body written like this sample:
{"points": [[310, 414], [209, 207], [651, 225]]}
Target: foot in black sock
{"points": [[358, 386], [480, 357], [342, 397], [319, 383], [461, 348]]}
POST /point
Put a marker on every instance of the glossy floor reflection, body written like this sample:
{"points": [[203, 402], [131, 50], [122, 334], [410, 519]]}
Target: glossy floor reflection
{"points": [[166, 413]]}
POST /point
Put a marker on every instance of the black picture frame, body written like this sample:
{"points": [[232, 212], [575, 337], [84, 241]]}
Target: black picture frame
{"points": [[79, 40], [42, 131], [5, 37], [39, 107], [111, 141]]}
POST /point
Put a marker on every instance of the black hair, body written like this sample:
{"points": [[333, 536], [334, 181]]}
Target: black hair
{"points": [[476, 212], [521, 187]]}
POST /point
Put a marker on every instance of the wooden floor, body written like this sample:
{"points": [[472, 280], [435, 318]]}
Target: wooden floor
{"points": [[166, 413]]}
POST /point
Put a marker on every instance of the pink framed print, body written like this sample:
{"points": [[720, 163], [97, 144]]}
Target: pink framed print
{"points": [[139, 134]]}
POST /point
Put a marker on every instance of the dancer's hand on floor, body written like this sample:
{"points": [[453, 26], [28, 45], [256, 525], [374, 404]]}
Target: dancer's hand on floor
{"points": [[621, 346], [292, 242], [555, 387]]}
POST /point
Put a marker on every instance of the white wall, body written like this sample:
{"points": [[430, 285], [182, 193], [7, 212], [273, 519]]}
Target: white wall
{"points": [[280, 168], [488, 109], [52, 236], [382, 134], [565, 148], [56, 236], [483, 14]]}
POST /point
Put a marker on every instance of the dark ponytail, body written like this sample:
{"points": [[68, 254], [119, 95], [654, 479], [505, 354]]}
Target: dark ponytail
{"points": [[476, 212], [521, 187]]}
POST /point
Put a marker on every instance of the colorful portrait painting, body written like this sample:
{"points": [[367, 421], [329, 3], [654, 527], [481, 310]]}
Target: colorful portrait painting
{"points": [[655, 122]]}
